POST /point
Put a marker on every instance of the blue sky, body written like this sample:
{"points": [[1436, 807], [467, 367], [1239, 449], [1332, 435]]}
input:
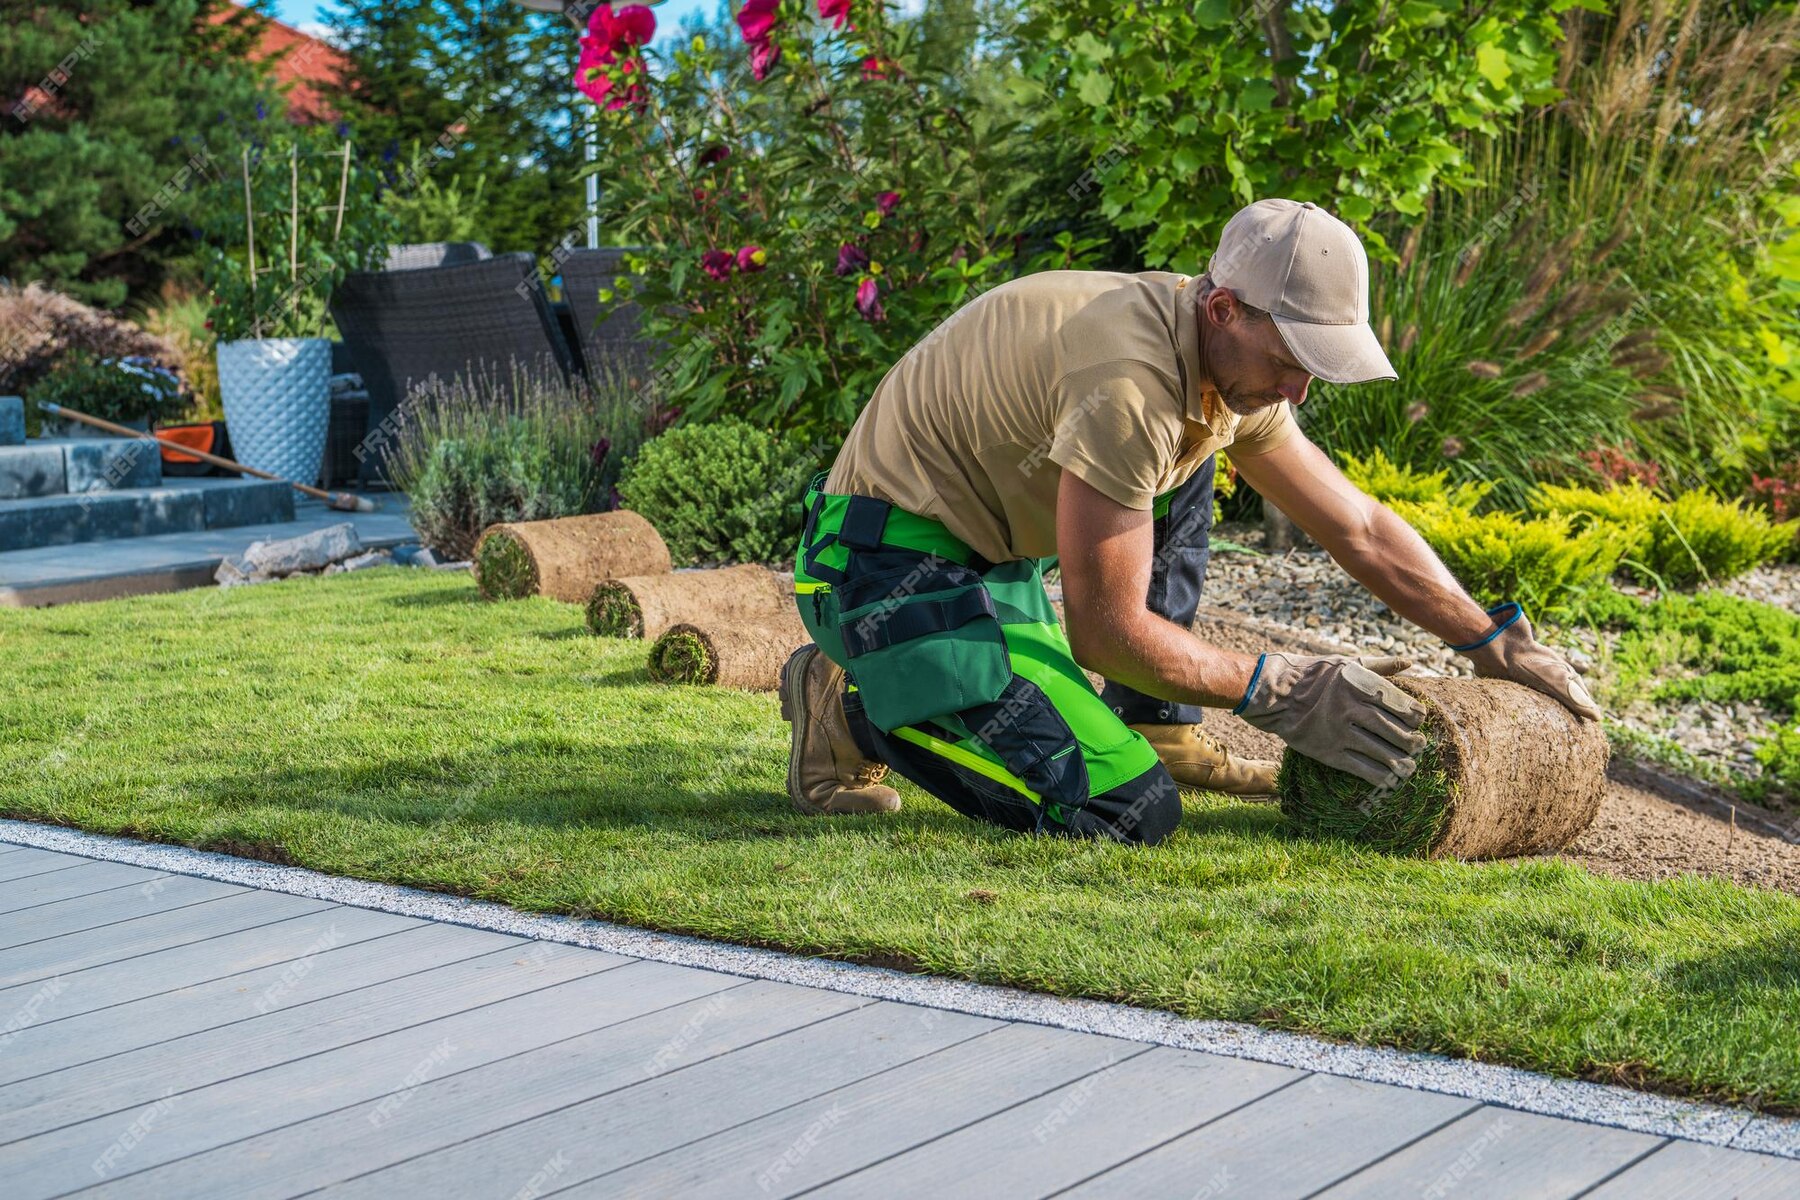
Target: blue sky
{"points": [[304, 14]]}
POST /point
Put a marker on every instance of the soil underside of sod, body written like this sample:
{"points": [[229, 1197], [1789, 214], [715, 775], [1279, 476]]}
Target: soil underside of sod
{"points": [[388, 725]]}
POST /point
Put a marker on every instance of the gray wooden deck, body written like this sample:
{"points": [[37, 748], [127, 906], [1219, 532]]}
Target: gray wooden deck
{"points": [[164, 1035]]}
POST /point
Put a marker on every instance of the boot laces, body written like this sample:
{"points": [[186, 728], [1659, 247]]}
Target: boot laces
{"points": [[869, 772]]}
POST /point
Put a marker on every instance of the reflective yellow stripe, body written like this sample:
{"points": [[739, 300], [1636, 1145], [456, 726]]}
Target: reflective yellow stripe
{"points": [[966, 758], [803, 587]]}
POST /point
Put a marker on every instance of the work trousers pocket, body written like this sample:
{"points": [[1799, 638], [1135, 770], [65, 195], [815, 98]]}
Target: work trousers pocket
{"points": [[921, 641]]}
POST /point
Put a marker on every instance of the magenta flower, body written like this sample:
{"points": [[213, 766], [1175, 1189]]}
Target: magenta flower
{"points": [[887, 202], [835, 11], [714, 154], [630, 26], [868, 300], [851, 259], [718, 263], [751, 259], [756, 20], [763, 55], [875, 68]]}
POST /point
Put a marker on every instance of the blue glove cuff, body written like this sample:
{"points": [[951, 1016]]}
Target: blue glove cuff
{"points": [[1512, 613], [1251, 690]]}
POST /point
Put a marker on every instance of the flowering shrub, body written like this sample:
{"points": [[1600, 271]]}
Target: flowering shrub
{"points": [[810, 198]]}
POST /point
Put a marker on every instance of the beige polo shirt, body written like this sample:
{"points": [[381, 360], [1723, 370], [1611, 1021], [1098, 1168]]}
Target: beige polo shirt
{"points": [[1095, 372]]}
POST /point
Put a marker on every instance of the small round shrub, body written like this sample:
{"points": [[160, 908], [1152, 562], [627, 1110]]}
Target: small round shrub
{"points": [[721, 491]]}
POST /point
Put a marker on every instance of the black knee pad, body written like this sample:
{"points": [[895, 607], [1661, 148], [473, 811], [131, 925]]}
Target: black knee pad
{"points": [[1142, 811]]}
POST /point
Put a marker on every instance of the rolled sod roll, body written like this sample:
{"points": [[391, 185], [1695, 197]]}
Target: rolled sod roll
{"points": [[1507, 771], [564, 558], [646, 606], [735, 654]]}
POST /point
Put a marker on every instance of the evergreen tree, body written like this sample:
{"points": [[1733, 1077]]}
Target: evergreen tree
{"points": [[476, 97], [110, 112]]}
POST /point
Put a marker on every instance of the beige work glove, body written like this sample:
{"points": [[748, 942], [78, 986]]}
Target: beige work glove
{"points": [[1339, 711], [1513, 652]]}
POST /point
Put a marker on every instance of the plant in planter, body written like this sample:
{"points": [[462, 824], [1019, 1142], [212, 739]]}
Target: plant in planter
{"points": [[297, 216], [130, 390]]}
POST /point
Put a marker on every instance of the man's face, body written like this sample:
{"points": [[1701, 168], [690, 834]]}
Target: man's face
{"points": [[1250, 366]]}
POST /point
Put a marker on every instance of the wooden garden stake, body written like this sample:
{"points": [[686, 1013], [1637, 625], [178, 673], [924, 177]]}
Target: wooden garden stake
{"points": [[250, 230], [294, 214], [343, 190]]}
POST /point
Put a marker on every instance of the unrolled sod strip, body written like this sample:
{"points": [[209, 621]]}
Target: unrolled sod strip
{"points": [[1508, 771], [564, 558], [646, 606], [735, 654]]}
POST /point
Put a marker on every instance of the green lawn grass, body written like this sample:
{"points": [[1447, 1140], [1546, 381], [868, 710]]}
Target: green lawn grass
{"points": [[389, 725]]}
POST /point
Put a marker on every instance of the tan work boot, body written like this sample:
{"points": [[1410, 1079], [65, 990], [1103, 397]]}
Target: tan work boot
{"points": [[1197, 760], [827, 772]]}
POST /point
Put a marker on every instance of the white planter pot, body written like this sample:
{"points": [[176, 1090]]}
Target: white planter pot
{"points": [[277, 398]]}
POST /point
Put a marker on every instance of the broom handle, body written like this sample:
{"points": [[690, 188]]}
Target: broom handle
{"points": [[203, 456]]}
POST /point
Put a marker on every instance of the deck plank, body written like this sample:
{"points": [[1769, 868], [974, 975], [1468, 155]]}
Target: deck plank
{"points": [[1286, 1145], [228, 954], [330, 961], [852, 1126], [113, 1085], [444, 1112], [36, 890], [1061, 1138], [1497, 1154], [30, 862], [1691, 1171], [230, 912], [72, 913], [387, 1069], [586, 1139]]}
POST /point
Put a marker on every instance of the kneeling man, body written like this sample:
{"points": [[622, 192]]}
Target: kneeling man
{"points": [[1072, 417]]}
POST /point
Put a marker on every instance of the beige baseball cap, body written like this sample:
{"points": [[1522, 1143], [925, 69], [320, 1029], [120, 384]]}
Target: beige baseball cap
{"points": [[1309, 270]]}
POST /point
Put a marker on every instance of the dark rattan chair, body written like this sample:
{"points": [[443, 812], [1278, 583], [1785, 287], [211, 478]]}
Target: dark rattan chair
{"points": [[611, 336], [402, 327]]}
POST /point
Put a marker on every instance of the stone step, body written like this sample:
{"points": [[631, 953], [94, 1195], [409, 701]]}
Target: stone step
{"points": [[52, 466], [191, 505], [12, 420]]}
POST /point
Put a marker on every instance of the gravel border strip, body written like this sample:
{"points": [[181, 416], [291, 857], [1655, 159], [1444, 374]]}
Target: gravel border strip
{"points": [[1510, 1087]]}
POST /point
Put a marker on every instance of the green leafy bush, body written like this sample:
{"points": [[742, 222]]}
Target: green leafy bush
{"points": [[1780, 759], [1548, 564], [477, 451], [1389, 482], [1694, 538], [721, 491], [117, 389], [1615, 280], [1726, 647]]}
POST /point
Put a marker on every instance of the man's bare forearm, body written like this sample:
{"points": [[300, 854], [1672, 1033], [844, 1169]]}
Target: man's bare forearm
{"points": [[1397, 566], [1155, 656]]}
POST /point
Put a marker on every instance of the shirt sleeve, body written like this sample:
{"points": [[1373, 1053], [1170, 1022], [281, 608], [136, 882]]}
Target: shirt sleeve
{"points": [[1265, 431], [1118, 429]]}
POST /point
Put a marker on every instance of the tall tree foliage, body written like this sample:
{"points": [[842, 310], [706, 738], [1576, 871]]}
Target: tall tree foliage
{"points": [[110, 112], [474, 97]]}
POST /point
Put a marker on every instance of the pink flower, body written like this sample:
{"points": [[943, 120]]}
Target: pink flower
{"points": [[875, 68], [835, 11], [851, 259], [751, 259], [756, 20], [594, 76], [718, 263], [868, 300], [714, 154], [630, 26], [763, 55], [886, 202]]}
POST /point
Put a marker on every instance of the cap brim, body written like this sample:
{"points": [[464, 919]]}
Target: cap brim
{"points": [[1336, 353]]}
